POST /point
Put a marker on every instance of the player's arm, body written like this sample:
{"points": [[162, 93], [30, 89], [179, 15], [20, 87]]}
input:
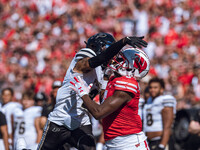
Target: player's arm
{"points": [[111, 104], [194, 127], [4, 130], [87, 64], [167, 117], [38, 129]]}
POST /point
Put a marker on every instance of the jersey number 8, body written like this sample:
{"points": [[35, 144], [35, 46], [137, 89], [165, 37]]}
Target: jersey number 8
{"points": [[149, 119]]}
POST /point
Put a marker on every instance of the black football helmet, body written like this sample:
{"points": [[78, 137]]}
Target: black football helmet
{"points": [[98, 41]]}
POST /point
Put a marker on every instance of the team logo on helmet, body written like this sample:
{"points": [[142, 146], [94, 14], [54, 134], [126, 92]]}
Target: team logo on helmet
{"points": [[131, 62]]}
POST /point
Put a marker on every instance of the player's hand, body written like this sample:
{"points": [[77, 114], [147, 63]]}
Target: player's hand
{"points": [[79, 87], [194, 127], [135, 41]]}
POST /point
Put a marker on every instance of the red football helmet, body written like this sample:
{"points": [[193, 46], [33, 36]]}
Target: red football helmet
{"points": [[131, 62]]}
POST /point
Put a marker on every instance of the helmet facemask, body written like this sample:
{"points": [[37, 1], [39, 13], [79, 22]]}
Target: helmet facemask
{"points": [[130, 62], [121, 65]]}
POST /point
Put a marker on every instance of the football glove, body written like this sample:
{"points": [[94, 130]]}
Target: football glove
{"points": [[79, 87], [135, 41]]}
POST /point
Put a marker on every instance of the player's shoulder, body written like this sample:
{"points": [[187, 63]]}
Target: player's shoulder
{"points": [[168, 98], [126, 80], [12, 105], [84, 52], [35, 111], [36, 108], [126, 84], [17, 112]]}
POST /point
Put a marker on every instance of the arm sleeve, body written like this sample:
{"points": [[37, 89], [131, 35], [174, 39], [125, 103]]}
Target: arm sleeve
{"points": [[2, 119], [106, 55], [169, 101], [45, 112]]}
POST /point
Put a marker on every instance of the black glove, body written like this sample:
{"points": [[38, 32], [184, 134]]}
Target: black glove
{"points": [[135, 41]]}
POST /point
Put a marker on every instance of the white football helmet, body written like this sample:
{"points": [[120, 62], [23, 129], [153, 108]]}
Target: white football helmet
{"points": [[131, 62]]}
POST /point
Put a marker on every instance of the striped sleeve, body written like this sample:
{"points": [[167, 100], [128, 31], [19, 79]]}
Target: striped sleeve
{"points": [[85, 52], [126, 86], [169, 101]]}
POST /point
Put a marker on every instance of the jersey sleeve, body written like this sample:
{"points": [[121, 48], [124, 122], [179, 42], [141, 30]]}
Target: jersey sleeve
{"points": [[45, 112], [169, 101], [127, 85], [2, 119], [85, 52]]}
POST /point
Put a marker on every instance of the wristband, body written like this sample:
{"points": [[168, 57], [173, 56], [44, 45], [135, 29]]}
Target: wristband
{"points": [[99, 146], [161, 146]]}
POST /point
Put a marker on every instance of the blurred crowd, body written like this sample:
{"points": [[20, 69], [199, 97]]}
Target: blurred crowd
{"points": [[38, 39]]}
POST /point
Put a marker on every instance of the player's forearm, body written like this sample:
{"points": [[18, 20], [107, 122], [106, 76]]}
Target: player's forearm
{"points": [[93, 107], [107, 54], [5, 140], [165, 136]]}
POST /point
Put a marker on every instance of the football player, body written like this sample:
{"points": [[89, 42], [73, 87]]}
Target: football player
{"points": [[8, 105], [70, 121], [158, 115], [3, 133], [24, 122], [122, 124]]}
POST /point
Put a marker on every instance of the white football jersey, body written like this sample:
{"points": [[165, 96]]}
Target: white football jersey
{"points": [[68, 110], [24, 125], [8, 110], [140, 107], [152, 117]]}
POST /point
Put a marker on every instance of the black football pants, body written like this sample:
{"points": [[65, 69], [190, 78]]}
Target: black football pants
{"points": [[55, 136]]}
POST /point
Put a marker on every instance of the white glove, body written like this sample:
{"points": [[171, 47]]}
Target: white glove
{"points": [[79, 86]]}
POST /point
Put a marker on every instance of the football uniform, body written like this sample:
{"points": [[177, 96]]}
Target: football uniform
{"points": [[8, 110], [69, 119], [68, 110], [24, 125], [152, 117], [124, 127]]}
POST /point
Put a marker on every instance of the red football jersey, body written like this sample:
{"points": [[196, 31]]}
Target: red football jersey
{"points": [[124, 120]]}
